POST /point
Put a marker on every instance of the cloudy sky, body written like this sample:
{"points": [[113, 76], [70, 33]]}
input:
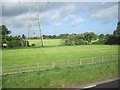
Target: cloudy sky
{"points": [[61, 17]]}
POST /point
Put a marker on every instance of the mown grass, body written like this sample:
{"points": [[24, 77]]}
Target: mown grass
{"points": [[62, 77], [53, 52], [49, 54], [47, 42], [57, 77]]}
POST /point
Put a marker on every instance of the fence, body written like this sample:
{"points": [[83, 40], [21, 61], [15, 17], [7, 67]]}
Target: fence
{"points": [[49, 65]]}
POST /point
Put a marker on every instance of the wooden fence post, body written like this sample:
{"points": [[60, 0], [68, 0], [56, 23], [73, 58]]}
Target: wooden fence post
{"points": [[67, 62], [92, 60], [20, 68], [80, 62], [37, 66], [53, 64], [102, 58]]}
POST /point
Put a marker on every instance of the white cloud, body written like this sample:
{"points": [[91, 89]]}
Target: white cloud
{"points": [[69, 17], [22, 20], [45, 18], [104, 12], [103, 2], [61, 0], [64, 11], [57, 24], [77, 21], [17, 21], [106, 15], [56, 15]]}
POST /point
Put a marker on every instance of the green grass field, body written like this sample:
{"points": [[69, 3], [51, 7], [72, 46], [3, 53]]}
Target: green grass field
{"points": [[57, 77], [53, 53], [62, 77], [47, 42]]}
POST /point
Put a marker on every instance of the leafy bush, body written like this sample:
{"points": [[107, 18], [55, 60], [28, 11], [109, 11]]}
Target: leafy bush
{"points": [[9, 38], [22, 43], [75, 41], [79, 39], [101, 41], [33, 44], [112, 39], [109, 39], [14, 43]]}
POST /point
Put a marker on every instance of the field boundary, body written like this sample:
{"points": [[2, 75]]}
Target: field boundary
{"points": [[49, 65]]}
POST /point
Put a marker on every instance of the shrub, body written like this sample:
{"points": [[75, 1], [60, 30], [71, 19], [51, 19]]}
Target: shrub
{"points": [[22, 43], [112, 39], [101, 41], [33, 44], [14, 43], [75, 41], [81, 42], [9, 38]]}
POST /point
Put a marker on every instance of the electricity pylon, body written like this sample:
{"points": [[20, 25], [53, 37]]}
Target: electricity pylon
{"points": [[33, 16]]}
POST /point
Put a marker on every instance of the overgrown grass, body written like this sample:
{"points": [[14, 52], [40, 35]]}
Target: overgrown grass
{"points": [[62, 77]]}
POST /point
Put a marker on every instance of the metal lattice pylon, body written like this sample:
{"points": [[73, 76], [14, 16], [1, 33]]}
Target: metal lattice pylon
{"points": [[33, 17]]}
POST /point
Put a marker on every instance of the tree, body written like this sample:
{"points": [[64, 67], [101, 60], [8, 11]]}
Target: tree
{"points": [[117, 31], [112, 39], [23, 36], [101, 36], [54, 36], [62, 36], [11, 41], [74, 39], [14, 43], [4, 30], [44, 36], [80, 36], [90, 36], [49, 36]]}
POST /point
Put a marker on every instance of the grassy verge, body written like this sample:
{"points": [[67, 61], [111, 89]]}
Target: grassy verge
{"points": [[62, 77]]}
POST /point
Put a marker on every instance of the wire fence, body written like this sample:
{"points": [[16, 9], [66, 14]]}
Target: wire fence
{"points": [[49, 65]]}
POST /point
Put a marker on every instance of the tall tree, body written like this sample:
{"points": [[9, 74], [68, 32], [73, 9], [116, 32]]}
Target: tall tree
{"points": [[4, 30], [23, 36], [117, 31], [90, 36], [101, 36], [3, 33]]}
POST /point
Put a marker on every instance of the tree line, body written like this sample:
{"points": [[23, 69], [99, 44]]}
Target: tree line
{"points": [[11, 41], [87, 38], [67, 39]]}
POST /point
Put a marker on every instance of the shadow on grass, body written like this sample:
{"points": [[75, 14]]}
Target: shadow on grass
{"points": [[30, 47]]}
